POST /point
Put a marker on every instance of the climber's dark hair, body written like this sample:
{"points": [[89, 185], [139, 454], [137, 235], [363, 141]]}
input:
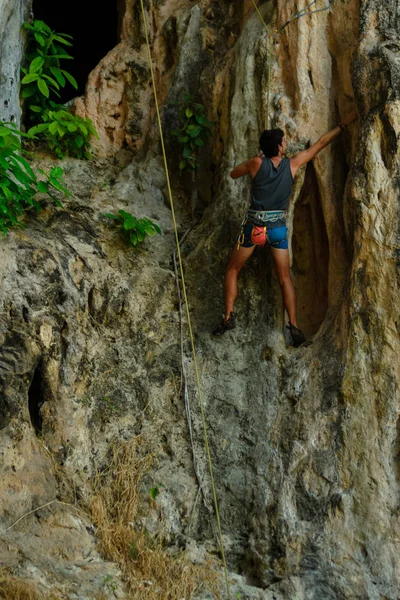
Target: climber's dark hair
{"points": [[270, 139]]}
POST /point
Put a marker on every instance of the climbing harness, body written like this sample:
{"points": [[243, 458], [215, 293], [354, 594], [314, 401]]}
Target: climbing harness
{"points": [[207, 448], [260, 220], [258, 217]]}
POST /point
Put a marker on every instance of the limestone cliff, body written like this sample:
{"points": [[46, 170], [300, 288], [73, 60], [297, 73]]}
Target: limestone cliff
{"points": [[12, 14], [305, 442]]}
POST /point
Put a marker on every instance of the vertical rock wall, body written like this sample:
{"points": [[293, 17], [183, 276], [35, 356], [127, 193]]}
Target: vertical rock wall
{"points": [[12, 14], [305, 442], [307, 439]]}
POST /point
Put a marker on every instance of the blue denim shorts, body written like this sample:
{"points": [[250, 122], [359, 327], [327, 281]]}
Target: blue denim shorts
{"points": [[277, 237]]}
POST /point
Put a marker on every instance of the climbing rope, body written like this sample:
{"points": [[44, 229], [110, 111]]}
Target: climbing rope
{"points": [[207, 448], [301, 13]]}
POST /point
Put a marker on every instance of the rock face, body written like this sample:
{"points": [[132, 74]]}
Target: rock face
{"points": [[305, 442], [12, 14]]}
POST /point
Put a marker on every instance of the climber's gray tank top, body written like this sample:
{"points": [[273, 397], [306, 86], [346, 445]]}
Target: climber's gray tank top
{"points": [[271, 187]]}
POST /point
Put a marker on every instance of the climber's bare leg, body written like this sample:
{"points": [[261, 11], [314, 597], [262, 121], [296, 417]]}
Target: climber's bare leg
{"points": [[282, 268], [238, 258]]}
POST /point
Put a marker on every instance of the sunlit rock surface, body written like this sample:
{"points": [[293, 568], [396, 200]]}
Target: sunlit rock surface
{"points": [[305, 442]]}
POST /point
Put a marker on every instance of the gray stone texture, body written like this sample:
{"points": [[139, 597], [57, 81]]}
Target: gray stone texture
{"points": [[12, 14], [305, 442]]}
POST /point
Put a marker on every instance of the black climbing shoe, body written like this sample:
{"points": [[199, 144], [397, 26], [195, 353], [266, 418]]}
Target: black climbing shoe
{"points": [[225, 325], [297, 335]]}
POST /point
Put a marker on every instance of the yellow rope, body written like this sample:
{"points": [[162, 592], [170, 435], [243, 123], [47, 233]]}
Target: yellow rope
{"points": [[260, 15], [187, 308]]}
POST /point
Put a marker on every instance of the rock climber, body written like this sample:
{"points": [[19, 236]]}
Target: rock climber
{"points": [[265, 221]]}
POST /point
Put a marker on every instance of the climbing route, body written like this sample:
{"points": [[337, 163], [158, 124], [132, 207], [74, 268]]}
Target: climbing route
{"points": [[207, 448], [307, 10]]}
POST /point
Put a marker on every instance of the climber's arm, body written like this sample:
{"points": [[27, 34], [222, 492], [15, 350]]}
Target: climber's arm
{"points": [[300, 159], [305, 156], [250, 166]]}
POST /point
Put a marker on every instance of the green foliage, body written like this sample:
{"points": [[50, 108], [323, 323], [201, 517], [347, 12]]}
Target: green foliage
{"points": [[133, 550], [85, 401], [133, 230], [18, 182], [111, 405], [66, 134], [43, 77], [109, 583], [42, 73], [195, 129], [154, 492]]}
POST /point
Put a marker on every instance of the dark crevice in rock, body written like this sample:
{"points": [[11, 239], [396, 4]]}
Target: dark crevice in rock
{"points": [[121, 9], [5, 408], [310, 255], [25, 314], [99, 26], [170, 37], [36, 397], [64, 335]]}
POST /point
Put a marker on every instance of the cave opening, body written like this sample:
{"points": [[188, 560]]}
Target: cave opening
{"points": [[310, 255], [95, 32], [36, 398]]}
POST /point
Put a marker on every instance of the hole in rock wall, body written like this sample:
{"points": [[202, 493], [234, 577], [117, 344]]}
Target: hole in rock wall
{"points": [[95, 31], [36, 397], [310, 256]]}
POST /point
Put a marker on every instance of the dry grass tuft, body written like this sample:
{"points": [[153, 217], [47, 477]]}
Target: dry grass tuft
{"points": [[15, 588], [149, 571]]}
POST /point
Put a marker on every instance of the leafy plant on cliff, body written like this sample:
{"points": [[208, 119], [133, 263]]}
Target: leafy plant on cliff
{"points": [[66, 134], [19, 184], [43, 77], [195, 129], [43, 74], [133, 230]]}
